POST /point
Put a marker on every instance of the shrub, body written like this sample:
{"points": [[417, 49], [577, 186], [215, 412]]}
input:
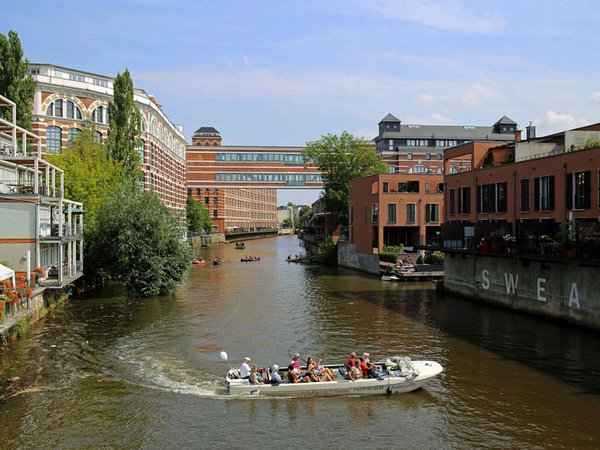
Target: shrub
{"points": [[388, 257]]}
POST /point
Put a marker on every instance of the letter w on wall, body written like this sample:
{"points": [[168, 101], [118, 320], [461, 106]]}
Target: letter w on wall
{"points": [[511, 283]]}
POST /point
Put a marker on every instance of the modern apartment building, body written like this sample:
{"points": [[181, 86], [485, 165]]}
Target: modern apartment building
{"points": [[406, 205], [38, 226], [525, 190], [66, 100], [238, 184]]}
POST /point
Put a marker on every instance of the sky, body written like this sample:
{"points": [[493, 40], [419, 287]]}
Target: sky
{"points": [[288, 72]]}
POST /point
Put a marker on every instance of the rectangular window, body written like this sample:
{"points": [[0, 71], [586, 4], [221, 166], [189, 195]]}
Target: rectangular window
{"points": [[402, 186], [525, 194], [411, 212], [491, 198], [427, 188], [386, 186], [58, 108], [374, 213], [452, 201], [215, 213], [412, 186], [579, 189], [464, 200], [432, 212], [391, 145], [544, 193], [392, 212]]}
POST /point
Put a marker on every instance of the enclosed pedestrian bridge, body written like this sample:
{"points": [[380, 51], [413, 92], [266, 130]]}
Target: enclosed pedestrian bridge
{"points": [[238, 184], [212, 165]]}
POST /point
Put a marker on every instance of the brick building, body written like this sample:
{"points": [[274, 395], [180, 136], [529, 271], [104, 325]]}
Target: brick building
{"points": [[66, 100], [525, 191], [406, 206], [238, 184]]}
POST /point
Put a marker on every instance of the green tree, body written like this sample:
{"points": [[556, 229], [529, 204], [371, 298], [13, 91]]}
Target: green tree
{"points": [[341, 159], [198, 217], [305, 215], [139, 243], [16, 83], [91, 176], [125, 122]]}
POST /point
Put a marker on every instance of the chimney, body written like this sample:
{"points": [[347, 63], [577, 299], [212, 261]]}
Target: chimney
{"points": [[530, 131]]}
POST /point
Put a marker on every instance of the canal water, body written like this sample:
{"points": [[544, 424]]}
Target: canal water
{"points": [[116, 372]]}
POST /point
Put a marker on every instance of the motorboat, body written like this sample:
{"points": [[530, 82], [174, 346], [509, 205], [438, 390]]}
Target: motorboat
{"points": [[250, 259], [398, 375], [390, 277], [294, 260], [240, 246]]}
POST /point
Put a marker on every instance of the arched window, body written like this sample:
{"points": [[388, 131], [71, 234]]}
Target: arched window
{"points": [[53, 140], [64, 108], [100, 114], [97, 137], [73, 132], [418, 168]]}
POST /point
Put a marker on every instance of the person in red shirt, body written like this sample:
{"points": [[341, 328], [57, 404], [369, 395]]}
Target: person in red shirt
{"points": [[350, 362], [364, 368]]}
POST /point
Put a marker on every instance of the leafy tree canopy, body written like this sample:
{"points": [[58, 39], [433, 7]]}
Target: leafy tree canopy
{"points": [[16, 83], [125, 122], [341, 159], [139, 242], [198, 217], [91, 176]]}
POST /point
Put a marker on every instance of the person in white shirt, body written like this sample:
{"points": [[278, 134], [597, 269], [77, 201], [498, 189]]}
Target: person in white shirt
{"points": [[245, 369], [275, 377]]}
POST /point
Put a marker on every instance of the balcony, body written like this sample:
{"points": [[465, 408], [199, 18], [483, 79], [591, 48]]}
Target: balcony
{"points": [[51, 231]]}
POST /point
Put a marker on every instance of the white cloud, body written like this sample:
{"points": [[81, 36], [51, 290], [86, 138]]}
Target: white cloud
{"points": [[563, 121], [448, 15], [595, 97]]}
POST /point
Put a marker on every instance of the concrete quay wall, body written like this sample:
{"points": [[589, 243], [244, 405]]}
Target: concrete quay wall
{"points": [[560, 290], [348, 256]]}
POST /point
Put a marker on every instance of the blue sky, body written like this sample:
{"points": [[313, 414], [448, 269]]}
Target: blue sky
{"points": [[287, 72]]}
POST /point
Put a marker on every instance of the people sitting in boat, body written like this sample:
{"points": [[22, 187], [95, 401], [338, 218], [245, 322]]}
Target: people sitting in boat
{"points": [[355, 372], [314, 372], [296, 257], [245, 369], [325, 370], [372, 370], [294, 377], [276, 377], [350, 361], [289, 258], [295, 362], [254, 377]]}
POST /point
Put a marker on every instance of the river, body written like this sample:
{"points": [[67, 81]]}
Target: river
{"points": [[116, 372]]}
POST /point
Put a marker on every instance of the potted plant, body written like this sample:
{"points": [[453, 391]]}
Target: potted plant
{"points": [[496, 240], [566, 244]]}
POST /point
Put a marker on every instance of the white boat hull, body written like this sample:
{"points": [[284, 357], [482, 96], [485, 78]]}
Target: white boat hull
{"points": [[387, 385]]}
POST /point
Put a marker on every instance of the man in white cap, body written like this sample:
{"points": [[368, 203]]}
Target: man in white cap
{"points": [[245, 369]]}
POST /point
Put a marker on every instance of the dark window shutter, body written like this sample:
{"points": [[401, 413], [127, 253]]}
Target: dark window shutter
{"points": [[551, 203], [569, 191], [587, 190], [479, 197], [536, 193], [468, 200]]}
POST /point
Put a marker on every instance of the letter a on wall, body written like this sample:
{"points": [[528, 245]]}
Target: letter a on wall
{"points": [[574, 297]]}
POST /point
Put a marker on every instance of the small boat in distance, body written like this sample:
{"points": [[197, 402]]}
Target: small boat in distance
{"points": [[250, 258], [295, 259], [390, 277], [240, 246], [397, 375], [217, 261], [198, 262]]}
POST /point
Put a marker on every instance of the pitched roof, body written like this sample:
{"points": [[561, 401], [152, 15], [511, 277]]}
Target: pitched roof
{"points": [[390, 118], [505, 121], [204, 130]]}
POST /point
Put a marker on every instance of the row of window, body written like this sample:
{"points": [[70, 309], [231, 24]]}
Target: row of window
{"points": [[253, 157], [69, 110], [420, 168], [412, 187], [394, 144], [274, 177], [492, 198], [54, 138], [432, 213]]}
